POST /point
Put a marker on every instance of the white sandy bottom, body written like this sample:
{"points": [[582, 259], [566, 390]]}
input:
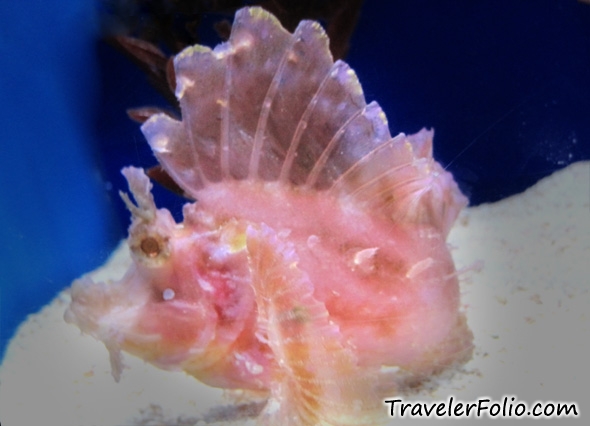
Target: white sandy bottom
{"points": [[528, 306]]}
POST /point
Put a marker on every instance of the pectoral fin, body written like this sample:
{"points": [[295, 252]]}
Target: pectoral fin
{"points": [[317, 380]]}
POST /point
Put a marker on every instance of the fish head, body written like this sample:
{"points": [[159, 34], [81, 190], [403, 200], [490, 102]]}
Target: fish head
{"points": [[180, 305]]}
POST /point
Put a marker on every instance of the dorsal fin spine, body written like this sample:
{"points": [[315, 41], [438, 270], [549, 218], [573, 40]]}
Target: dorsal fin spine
{"points": [[400, 184], [195, 155], [323, 158], [224, 104], [265, 111], [363, 160], [302, 125], [379, 177]]}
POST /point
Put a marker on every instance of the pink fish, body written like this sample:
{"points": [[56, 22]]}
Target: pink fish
{"points": [[313, 265]]}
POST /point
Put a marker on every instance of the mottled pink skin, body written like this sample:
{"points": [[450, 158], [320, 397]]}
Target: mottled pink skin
{"points": [[391, 315]]}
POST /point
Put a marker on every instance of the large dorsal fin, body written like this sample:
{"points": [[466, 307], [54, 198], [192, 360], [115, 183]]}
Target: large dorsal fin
{"points": [[317, 379], [274, 106]]}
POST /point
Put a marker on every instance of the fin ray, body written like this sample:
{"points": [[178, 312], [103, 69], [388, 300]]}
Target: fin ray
{"points": [[318, 380], [265, 111]]}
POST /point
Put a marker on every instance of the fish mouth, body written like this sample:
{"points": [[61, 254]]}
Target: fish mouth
{"points": [[134, 323], [103, 311]]}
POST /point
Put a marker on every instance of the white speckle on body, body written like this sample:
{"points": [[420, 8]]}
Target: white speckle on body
{"points": [[292, 57], [183, 83], [226, 49], [365, 259], [252, 367], [244, 42], [161, 143], [272, 406], [168, 294], [419, 267], [284, 233], [389, 369], [205, 285], [428, 233], [313, 241]]}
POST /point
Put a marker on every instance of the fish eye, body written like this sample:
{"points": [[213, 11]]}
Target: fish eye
{"points": [[150, 247]]}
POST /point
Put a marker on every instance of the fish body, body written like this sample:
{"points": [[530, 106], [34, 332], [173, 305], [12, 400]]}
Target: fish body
{"points": [[313, 265]]}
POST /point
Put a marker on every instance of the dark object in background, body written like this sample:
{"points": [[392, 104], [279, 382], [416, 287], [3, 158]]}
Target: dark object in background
{"points": [[174, 25]]}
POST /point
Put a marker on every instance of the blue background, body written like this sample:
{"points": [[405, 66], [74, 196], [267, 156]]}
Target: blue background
{"points": [[505, 84]]}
